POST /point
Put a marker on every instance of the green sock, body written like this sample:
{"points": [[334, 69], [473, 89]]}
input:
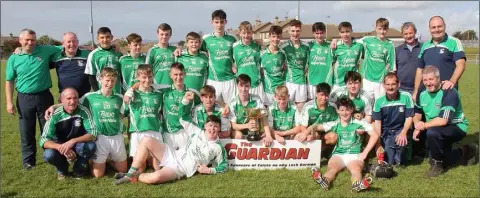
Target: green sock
{"points": [[131, 172]]}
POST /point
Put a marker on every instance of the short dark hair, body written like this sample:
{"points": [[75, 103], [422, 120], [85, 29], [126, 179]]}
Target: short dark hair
{"points": [[219, 14], [244, 79], [275, 29], [164, 27], [295, 22], [323, 88], [104, 30], [345, 102], [352, 76], [391, 75], [207, 90], [214, 119], [193, 36], [177, 65], [134, 37], [344, 24], [318, 26]]}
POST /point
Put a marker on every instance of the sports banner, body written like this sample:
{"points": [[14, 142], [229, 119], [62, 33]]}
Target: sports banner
{"points": [[243, 154]]}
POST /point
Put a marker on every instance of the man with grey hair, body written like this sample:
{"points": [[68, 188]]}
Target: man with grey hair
{"points": [[29, 72], [445, 124], [406, 56], [69, 135], [70, 65], [446, 52]]}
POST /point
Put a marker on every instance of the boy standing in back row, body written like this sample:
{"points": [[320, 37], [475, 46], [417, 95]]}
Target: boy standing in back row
{"points": [[104, 56], [296, 54], [160, 56], [272, 62], [129, 62]]}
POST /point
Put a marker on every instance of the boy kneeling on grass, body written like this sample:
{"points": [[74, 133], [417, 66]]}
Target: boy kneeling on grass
{"points": [[347, 152], [203, 149]]}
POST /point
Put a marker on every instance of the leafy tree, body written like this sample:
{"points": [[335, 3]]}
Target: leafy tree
{"points": [[46, 40], [457, 34], [9, 46]]}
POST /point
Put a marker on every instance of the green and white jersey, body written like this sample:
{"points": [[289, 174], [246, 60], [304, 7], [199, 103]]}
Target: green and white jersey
{"points": [[161, 59], [200, 150], [239, 111], [272, 65], [348, 142], [311, 114], [174, 108], [297, 59], [363, 101], [283, 120], [129, 66], [346, 58], [220, 56], [444, 104], [247, 60], [144, 110], [379, 58], [62, 126], [105, 112], [196, 69], [320, 63], [101, 58], [199, 116]]}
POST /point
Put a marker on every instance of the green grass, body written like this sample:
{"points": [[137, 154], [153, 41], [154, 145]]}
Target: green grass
{"points": [[41, 181], [471, 50]]}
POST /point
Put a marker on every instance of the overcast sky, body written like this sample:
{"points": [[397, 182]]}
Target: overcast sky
{"points": [[123, 18]]}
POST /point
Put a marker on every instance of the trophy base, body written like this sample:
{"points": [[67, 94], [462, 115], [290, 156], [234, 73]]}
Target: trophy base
{"points": [[253, 137]]}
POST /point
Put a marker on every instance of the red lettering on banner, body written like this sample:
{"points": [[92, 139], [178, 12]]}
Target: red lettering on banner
{"points": [[233, 147], [292, 154], [242, 153], [275, 153], [282, 155], [263, 153], [303, 153], [252, 154]]}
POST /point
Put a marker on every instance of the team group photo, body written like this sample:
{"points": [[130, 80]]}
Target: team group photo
{"points": [[302, 106]]}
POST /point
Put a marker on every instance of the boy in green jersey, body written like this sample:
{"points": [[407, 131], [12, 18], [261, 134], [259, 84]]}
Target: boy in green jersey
{"points": [[130, 61], [362, 100], [209, 107], [195, 63], [144, 109], [347, 152], [346, 54], [238, 107], [318, 111], [246, 55], [104, 56], [272, 62], [160, 56], [283, 117], [296, 53], [320, 60]]}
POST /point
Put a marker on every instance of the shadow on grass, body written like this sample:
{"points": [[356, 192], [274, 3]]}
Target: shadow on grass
{"points": [[9, 194]]}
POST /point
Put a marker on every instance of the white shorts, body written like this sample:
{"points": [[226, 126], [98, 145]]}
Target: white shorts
{"points": [[111, 147], [258, 91], [374, 89], [347, 158], [171, 160], [176, 140], [312, 91], [224, 90], [298, 93], [135, 139], [269, 98]]}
